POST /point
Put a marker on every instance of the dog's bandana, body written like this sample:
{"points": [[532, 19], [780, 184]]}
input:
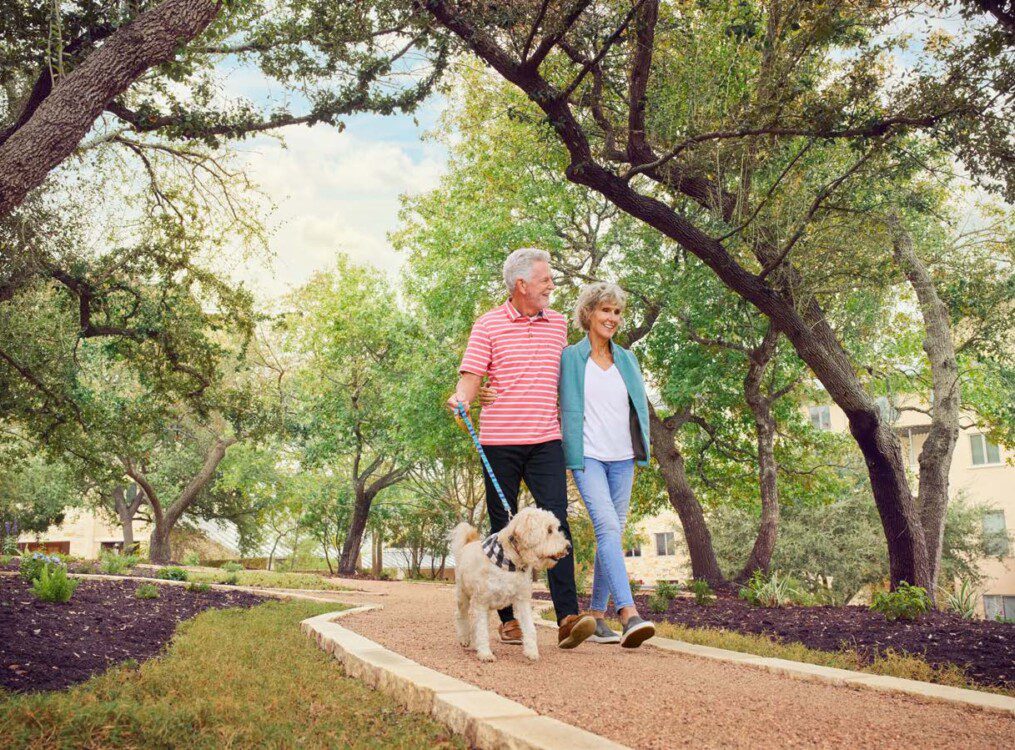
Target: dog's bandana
{"points": [[495, 551]]}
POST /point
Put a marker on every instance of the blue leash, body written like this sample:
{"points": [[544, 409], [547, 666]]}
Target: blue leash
{"points": [[464, 414]]}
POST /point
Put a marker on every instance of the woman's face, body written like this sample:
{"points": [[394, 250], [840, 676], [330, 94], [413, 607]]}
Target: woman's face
{"points": [[605, 319]]}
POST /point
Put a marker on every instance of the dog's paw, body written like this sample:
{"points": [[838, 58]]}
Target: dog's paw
{"points": [[464, 642], [532, 655], [486, 657]]}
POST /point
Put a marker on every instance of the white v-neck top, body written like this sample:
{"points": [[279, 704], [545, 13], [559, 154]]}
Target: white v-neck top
{"points": [[606, 431]]}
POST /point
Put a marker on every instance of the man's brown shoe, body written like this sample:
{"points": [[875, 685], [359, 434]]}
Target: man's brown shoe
{"points": [[510, 632], [574, 629]]}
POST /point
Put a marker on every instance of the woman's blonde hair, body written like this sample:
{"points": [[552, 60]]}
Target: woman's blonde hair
{"points": [[593, 295]]}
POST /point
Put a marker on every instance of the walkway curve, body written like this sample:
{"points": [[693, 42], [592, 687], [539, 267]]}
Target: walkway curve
{"points": [[650, 698]]}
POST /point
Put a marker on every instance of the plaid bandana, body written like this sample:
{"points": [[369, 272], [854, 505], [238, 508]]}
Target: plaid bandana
{"points": [[495, 551]]}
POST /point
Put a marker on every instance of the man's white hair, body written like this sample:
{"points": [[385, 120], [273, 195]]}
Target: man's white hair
{"points": [[519, 265]]}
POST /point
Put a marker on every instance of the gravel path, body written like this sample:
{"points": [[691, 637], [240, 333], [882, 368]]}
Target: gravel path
{"points": [[648, 698]]}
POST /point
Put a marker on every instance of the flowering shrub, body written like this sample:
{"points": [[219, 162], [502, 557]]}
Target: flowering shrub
{"points": [[10, 538], [53, 585], [32, 565]]}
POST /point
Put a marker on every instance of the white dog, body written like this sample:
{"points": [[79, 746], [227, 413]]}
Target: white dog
{"points": [[495, 572]]}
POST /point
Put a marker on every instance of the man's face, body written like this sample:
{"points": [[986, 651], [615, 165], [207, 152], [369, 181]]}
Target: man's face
{"points": [[536, 291]]}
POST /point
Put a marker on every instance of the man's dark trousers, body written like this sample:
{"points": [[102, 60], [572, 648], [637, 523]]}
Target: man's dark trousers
{"points": [[541, 465]]}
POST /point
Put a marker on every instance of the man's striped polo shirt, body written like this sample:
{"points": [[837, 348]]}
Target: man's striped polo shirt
{"points": [[521, 356]]}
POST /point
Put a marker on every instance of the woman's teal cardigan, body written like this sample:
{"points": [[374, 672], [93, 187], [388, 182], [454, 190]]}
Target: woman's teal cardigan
{"points": [[572, 401]]}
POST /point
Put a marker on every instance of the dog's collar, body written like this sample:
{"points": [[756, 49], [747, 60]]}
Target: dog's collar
{"points": [[495, 552]]}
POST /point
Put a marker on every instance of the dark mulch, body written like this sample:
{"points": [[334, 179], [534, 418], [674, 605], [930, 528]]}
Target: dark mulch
{"points": [[984, 650], [46, 646]]}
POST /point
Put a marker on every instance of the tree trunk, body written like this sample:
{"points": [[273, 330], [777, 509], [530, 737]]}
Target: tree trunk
{"points": [[939, 344], [159, 551], [764, 426], [704, 564], [377, 566], [349, 561], [67, 114]]}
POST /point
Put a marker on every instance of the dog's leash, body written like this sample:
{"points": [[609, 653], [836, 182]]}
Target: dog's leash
{"points": [[464, 416]]}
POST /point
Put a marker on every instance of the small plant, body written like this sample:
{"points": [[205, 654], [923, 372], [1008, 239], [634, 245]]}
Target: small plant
{"points": [[703, 593], [635, 585], [774, 591], [172, 573], [10, 538], [667, 590], [906, 602], [963, 601], [5, 560], [31, 566], [191, 558], [231, 579], [658, 604], [53, 585], [198, 587], [231, 567], [147, 591], [113, 564]]}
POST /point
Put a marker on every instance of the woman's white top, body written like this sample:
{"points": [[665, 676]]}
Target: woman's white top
{"points": [[606, 431]]}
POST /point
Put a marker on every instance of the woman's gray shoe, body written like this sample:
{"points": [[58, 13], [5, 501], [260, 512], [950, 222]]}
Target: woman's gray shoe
{"points": [[603, 633], [636, 632]]}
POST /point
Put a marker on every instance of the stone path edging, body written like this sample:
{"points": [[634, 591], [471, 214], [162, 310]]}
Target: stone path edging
{"points": [[832, 675], [486, 720]]}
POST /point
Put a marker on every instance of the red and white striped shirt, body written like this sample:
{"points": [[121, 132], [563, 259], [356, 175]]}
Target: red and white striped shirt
{"points": [[521, 356]]}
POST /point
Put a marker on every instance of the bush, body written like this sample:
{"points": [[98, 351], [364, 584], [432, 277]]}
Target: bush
{"points": [[198, 587], [53, 585], [667, 590], [231, 578], [962, 602], [231, 567], [147, 591], [31, 566], [191, 558], [774, 591], [635, 585], [906, 602], [5, 560], [172, 574], [703, 593], [112, 564], [658, 604]]}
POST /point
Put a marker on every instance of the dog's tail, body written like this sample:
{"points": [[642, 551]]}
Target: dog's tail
{"points": [[461, 535]]}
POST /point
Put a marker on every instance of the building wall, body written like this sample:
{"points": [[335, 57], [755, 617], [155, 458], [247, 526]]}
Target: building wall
{"points": [[85, 531]]}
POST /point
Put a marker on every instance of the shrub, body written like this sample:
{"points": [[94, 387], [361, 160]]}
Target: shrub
{"points": [[774, 591], [906, 602], [147, 591], [635, 585], [191, 558], [112, 564], [53, 585], [658, 604], [31, 566], [172, 574], [962, 602], [232, 567], [703, 593], [198, 587], [231, 579], [5, 560], [667, 590]]}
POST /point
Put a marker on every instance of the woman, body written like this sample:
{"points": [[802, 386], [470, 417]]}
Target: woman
{"points": [[604, 421]]}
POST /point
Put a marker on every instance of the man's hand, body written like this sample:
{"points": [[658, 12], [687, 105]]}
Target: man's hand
{"points": [[465, 392]]}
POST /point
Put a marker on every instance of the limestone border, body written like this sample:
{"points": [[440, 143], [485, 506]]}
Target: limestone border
{"points": [[829, 675], [487, 720]]}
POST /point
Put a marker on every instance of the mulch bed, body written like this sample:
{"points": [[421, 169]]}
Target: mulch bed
{"points": [[45, 646], [984, 650]]}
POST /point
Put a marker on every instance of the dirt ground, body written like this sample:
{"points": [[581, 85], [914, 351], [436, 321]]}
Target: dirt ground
{"points": [[648, 698]]}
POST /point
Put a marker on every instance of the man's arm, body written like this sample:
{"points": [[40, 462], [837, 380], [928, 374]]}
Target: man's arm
{"points": [[465, 391]]}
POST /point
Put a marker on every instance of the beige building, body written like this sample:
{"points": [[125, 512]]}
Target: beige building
{"points": [[83, 533], [981, 471]]}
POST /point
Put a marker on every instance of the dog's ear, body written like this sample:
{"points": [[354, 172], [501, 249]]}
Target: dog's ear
{"points": [[513, 539]]}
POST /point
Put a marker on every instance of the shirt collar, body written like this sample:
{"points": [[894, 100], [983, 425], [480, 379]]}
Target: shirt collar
{"points": [[585, 347], [513, 314]]}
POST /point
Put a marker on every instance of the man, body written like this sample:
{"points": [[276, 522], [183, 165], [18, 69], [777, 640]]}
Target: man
{"points": [[518, 346]]}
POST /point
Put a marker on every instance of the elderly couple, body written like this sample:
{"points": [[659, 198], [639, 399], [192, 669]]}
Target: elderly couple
{"points": [[601, 431]]}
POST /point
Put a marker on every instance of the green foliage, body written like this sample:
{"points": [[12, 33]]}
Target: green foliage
{"points": [[231, 567], [703, 593], [191, 559], [115, 565], [147, 591], [907, 602], [200, 588], [172, 574], [658, 604], [53, 584], [32, 565], [771, 591], [667, 590], [962, 601]]}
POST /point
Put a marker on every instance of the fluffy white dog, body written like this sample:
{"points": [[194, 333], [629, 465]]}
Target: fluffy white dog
{"points": [[494, 572]]}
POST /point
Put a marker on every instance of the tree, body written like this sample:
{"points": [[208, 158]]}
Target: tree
{"points": [[608, 60]]}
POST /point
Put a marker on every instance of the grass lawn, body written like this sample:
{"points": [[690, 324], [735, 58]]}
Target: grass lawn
{"points": [[269, 579], [230, 678], [892, 664]]}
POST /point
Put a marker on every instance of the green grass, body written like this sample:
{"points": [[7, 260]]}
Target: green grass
{"points": [[266, 579], [230, 679], [891, 663]]}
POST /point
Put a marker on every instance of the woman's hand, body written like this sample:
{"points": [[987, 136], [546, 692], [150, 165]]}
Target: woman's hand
{"points": [[487, 395]]}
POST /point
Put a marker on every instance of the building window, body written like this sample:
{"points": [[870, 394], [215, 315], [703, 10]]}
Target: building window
{"points": [[985, 453], [633, 551], [821, 417], [999, 607], [665, 544], [995, 533]]}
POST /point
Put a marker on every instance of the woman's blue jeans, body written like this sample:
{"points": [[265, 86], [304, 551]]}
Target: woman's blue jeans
{"points": [[605, 487]]}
